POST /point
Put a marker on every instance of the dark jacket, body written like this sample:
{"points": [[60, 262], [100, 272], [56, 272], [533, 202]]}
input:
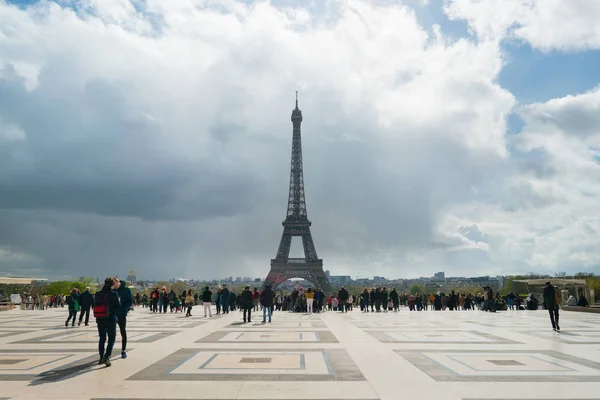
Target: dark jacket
{"points": [[266, 298], [126, 299], [113, 301], [246, 300], [86, 300], [343, 295], [224, 295], [207, 296], [549, 302]]}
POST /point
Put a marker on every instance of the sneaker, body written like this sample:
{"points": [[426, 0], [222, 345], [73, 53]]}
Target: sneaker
{"points": [[557, 327], [101, 361], [66, 324], [79, 323], [107, 362], [123, 354]]}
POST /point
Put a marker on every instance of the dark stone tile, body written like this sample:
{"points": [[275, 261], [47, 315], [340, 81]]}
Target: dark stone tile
{"points": [[160, 334], [441, 373], [12, 361], [340, 364]]}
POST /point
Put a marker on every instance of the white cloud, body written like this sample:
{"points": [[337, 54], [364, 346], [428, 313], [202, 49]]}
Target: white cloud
{"points": [[545, 24], [11, 132], [550, 218], [162, 132]]}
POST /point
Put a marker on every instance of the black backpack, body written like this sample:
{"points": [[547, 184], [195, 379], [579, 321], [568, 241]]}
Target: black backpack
{"points": [[102, 305]]}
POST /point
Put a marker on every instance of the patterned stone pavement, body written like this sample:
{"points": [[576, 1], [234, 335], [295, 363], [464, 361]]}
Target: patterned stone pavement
{"points": [[425, 355]]}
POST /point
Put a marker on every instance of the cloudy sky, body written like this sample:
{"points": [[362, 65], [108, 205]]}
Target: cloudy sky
{"points": [[459, 136]]}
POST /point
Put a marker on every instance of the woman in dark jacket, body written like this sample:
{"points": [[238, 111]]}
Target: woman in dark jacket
{"points": [[73, 303]]}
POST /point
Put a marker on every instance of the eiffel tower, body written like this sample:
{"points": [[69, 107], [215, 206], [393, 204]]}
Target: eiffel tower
{"points": [[297, 224]]}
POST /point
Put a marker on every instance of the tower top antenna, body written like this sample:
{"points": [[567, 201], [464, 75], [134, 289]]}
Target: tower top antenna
{"points": [[296, 99]]}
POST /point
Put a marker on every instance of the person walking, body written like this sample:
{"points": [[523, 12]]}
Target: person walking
{"points": [[86, 301], [247, 303], [189, 302], [510, 300], [105, 307], [310, 297], [256, 299], [266, 300], [207, 300], [73, 303], [551, 303], [343, 299], [126, 300], [225, 299]]}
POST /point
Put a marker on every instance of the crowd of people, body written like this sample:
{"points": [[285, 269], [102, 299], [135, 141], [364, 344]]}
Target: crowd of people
{"points": [[112, 303]]}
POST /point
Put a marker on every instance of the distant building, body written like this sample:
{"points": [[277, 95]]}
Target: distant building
{"points": [[439, 275], [131, 279], [341, 280]]}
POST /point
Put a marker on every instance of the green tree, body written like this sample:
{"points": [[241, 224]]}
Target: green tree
{"points": [[63, 287], [416, 288], [583, 275]]}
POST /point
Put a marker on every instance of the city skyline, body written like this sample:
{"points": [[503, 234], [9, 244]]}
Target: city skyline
{"points": [[438, 136]]}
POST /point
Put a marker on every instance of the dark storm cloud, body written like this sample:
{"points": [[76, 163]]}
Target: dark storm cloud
{"points": [[92, 153]]}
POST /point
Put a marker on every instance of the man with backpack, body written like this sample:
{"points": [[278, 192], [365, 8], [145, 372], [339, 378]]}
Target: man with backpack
{"points": [[126, 299], [154, 300], [106, 305]]}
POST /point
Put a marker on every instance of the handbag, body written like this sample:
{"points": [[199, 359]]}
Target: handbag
{"points": [[76, 306]]}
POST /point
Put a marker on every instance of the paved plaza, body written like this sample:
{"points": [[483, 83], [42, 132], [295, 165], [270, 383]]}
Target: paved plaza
{"points": [[404, 355]]}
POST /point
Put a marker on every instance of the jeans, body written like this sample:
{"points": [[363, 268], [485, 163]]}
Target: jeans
{"points": [[510, 304], [86, 311], [249, 311], [72, 314], [106, 327], [309, 307], [265, 308], [553, 316], [122, 321]]}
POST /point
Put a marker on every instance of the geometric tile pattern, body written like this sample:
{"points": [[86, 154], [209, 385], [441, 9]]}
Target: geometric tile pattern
{"points": [[26, 366], [7, 333], [91, 336], [502, 366], [346, 356], [263, 336], [446, 336], [254, 365], [298, 324], [571, 337]]}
